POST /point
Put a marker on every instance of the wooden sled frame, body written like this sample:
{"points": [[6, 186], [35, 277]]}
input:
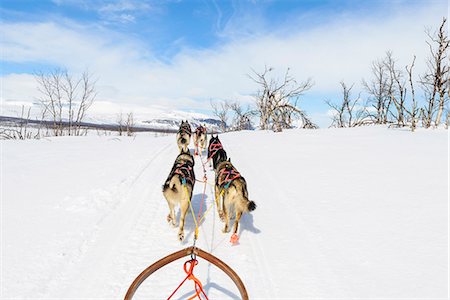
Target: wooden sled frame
{"points": [[180, 254]]}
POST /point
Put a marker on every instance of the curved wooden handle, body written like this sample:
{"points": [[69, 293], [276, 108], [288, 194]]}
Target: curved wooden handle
{"points": [[180, 254]]}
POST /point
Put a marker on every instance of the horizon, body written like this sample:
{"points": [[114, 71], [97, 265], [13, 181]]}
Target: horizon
{"points": [[177, 55]]}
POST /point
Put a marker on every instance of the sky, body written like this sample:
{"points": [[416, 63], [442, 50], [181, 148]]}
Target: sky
{"points": [[183, 54]]}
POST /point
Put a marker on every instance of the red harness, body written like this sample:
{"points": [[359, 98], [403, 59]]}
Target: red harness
{"points": [[185, 171], [226, 176], [213, 148], [200, 130]]}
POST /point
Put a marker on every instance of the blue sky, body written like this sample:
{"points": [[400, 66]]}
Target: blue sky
{"points": [[181, 54]]}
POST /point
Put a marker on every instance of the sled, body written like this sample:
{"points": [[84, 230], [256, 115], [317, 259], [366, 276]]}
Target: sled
{"points": [[190, 251]]}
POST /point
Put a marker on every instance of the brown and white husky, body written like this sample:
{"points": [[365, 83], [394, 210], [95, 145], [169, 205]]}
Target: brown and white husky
{"points": [[178, 188], [232, 187], [200, 139], [184, 136]]}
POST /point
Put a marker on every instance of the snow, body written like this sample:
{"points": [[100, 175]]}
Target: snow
{"points": [[342, 214]]}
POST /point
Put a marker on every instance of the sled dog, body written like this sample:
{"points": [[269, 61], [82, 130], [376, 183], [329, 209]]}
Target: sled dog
{"points": [[178, 188], [200, 139], [216, 153], [184, 136], [231, 186]]}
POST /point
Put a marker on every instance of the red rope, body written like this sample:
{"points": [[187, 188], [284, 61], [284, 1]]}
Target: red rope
{"points": [[193, 262], [190, 275]]}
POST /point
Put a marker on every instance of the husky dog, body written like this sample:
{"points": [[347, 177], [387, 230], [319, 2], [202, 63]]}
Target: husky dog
{"points": [[178, 188], [216, 153], [200, 139], [184, 136], [233, 189]]}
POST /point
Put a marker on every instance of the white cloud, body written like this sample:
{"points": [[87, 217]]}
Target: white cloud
{"points": [[339, 50]]}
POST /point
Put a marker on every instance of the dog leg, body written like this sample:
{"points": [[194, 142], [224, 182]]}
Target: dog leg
{"points": [[171, 216], [226, 218], [236, 222], [219, 211], [183, 210]]}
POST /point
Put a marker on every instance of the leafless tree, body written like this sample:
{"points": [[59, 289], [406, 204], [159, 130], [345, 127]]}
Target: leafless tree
{"points": [[377, 89], [66, 99], [276, 100], [221, 109], [349, 112], [130, 124], [20, 130], [120, 123], [50, 87], [396, 90], [242, 117], [435, 80], [413, 111], [88, 95]]}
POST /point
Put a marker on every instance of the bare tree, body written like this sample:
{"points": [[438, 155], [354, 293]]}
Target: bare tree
{"points": [[242, 117], [220, 110], [276, 100], [396, 90], [435, 80], [88, 95], [20, 130], [349, 112], [66, 99], [50, 87], [377, 89], [120, 123], [413, 111], [130, 124]]}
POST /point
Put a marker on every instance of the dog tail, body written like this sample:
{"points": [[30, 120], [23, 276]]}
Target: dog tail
{"points": [[170, 185], [251, 206]]}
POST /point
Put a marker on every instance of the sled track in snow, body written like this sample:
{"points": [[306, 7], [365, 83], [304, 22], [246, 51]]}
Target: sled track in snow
{"points": [[114, 236]]}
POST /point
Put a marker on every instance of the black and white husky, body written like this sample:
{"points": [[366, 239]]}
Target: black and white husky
{"points": [[216, 153], [178, 188], [184, 136]]}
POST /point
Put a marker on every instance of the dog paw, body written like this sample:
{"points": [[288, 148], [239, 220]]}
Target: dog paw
{"points": [[171, 221], [221, 216], [225, 229], [181, 236]]}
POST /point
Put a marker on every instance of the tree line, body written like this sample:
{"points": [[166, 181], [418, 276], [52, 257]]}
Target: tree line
{"points": [[393, 96]]}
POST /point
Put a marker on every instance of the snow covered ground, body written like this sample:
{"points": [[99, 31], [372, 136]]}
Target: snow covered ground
{"points": [[342, 214]]}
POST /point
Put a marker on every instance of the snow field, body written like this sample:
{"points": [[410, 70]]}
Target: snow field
{"points": [[359, 213]]}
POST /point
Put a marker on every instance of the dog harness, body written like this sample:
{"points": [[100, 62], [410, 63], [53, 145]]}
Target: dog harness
{"points": [[186, 172], [185, 129], [214, 147], [200, 130], [226, 176]]}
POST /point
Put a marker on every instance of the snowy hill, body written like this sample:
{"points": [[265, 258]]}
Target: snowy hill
{"points": [[342, 213], [107, 114]]}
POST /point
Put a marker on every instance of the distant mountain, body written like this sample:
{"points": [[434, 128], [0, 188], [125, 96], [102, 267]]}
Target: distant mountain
{"points": [[106, 115], [212, 125]]}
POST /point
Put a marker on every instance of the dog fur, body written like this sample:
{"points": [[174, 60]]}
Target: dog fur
{"points": [[184, 136], [174, 191], [234, 195], [216, 156], [200, 138]]}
